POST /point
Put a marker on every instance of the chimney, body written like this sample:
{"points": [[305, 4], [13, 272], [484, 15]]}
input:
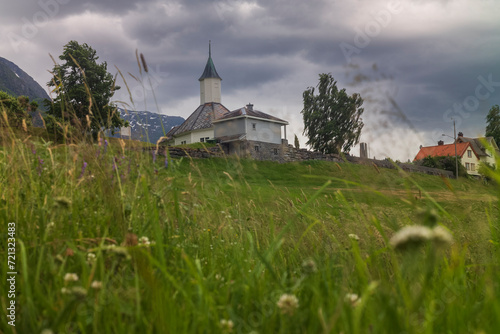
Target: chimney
{"points": [[440, 142], [250, 107], [460, 134]]}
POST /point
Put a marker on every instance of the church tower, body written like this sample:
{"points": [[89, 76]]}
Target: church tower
{"points": [[210, 82]]}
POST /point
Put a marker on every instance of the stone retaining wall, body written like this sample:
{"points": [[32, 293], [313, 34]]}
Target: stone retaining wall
{"points": [[288, 153]]}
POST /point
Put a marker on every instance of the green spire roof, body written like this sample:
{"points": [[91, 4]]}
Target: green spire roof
{"points": [[210, 71]]}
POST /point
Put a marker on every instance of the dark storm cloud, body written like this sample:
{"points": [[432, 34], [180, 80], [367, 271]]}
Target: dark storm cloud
{"points": [[429, 55]]}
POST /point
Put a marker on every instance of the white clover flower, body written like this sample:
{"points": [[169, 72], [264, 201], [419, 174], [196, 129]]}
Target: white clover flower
{"points": [[352, 299], [65, 291], [144, 241], [288, 303], [354, 237], [309, 266], [96, 285], [411, 236], [70, 277], [441, 236], [226, 326], [91, 258], [78, 291]]}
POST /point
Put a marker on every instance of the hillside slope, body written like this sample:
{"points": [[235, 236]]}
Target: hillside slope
{"points": [[16, 82]]}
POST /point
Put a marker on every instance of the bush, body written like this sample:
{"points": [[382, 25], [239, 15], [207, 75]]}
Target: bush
{"points": [[443, 162], [14, 109]]}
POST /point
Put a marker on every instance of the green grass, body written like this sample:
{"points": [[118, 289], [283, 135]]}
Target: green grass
{"points": [[232, 236]]}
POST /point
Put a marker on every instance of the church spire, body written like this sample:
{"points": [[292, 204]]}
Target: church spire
{"points": [[210, 71]]}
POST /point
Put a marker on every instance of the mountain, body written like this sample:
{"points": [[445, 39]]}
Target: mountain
{"points": [[146, 125], [16, 82]]}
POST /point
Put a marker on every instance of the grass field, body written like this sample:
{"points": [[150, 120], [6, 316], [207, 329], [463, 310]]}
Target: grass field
{"points": [[110, 239]]}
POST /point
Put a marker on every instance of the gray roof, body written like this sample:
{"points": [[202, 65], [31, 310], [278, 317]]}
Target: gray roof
{"points": [[250, 112], [477, 145], [201, 118]]}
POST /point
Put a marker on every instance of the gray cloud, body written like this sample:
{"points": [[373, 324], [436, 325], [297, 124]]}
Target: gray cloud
{"points": [[429, 54]]}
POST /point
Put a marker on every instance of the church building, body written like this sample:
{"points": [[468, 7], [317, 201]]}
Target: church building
{"points": [[244, 131]]}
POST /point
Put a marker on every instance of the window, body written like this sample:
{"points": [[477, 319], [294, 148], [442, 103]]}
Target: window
{"points": [[473, 167], [275, 151], [183, 142], [467, 166], [202, 140], [256, 148], [207, 138], [469, 154], [254, 126]]}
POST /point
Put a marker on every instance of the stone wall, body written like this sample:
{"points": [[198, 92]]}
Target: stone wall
{"points": [[287, 153]]}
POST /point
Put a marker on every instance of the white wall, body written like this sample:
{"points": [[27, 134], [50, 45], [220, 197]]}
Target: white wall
{"points": [[473, 161], [210, 90], [268, 132], [194, 137]]}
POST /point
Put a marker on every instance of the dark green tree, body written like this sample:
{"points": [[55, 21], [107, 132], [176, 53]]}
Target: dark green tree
{"points": [[332, 118], [296, 142], [83, 91], [493, 123]]}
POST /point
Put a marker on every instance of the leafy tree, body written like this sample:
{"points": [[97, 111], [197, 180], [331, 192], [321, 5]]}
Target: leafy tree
{"points": [[493, 123], [296, 142], [16, 109], [84, 89], [332, 118]]}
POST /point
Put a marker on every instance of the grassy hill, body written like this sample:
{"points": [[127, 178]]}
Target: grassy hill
{"points": [[238, 246]]}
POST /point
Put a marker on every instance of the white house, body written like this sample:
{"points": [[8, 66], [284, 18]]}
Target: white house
{"points": [[246, 131]]}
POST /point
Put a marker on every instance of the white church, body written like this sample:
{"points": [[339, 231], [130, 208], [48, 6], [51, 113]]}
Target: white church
{"points": [[244, 131]]}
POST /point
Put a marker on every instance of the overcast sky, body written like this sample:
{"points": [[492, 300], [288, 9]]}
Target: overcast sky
{"points": [[417, 63]]}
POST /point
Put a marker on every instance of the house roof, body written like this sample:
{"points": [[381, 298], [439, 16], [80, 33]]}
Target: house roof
{"points": [[210, 71], [477, 145], [444, 150], [248, 111], [201, 118]]}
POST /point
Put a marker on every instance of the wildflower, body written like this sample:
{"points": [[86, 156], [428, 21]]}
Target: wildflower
{"points": [[441, 236], [352, 299], [33, 150], [65, 291], [84, 166], [226, 326], [91, 258], [154, 156], [309, 266], [40, 166], [144, 241], [105, 146], [96, 285], [354, 237], [50, 226], [70, 277], [417, 235], [79, 292], [288, 304], [166, 162], [410, 236]]}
